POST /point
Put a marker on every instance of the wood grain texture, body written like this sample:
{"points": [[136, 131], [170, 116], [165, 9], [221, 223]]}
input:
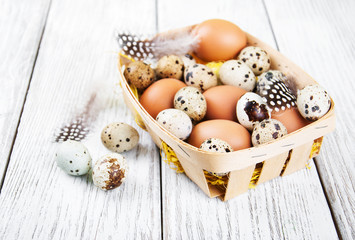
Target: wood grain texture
{"points": [[292, 207], [21, 26], [319, 35], [78, 60]]}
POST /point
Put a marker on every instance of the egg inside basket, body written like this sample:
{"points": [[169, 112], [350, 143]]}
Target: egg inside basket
{"points": [[245, 168]]}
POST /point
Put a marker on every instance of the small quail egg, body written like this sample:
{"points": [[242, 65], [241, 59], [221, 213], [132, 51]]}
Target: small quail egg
{"points": [[73, 158], [192, 102], [257, 59], [267, 130], [313, 102], [139, 74], [176, 122], [200, 76], [170, 66], [188, 59], [216, 145], [237, 73], [119, 137], [110, 171], [252, 109]]}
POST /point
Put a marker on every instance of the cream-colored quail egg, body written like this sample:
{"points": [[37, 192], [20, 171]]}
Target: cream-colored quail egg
{"points": [[119, 137], [200, 76], [252, 109], [313, 102], [237, 73], [140, 74], [267, 130], [192, 102], [257, 59], [170, 66], [176, 122], [216, 145], [110, 171], [188, 59], [73, 158]]}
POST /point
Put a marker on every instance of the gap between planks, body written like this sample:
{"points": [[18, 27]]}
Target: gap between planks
{"points": [[2, 180]]}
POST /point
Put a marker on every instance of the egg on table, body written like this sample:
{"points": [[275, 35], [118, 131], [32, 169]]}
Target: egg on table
{"points": [[176, 122], [192, 102], [73, 158], [267, 130], [110, 171], [252, 109], [219, 40], [256, 59], [119, 137], [237, 73], [160, 95], [313, 102], [200, 76]]}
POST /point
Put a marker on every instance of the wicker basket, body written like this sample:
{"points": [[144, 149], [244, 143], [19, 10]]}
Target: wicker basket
{"points": [[277, 158]]}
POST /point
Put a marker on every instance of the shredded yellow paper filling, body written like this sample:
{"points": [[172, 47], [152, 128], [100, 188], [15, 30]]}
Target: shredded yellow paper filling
{"points": [[170, 158]]}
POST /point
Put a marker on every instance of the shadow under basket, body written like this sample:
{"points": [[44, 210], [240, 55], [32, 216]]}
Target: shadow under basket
{"points": [[245, 168]]}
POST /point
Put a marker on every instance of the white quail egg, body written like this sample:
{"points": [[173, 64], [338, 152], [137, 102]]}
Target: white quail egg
{"points": [[266, 131], [110, 171], [192, 102], [188, 60], [252, 109], [73, 158], [257, 59], [176, 122], [200, 76], [216, 145], [170, 66], [119, 137], [237, 73], [313, 102]]}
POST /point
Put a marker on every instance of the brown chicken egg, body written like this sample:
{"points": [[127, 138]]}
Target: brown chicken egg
{"points": [[291, 119], [219, 40], [222, 101], [160, 95], [231, 132]]}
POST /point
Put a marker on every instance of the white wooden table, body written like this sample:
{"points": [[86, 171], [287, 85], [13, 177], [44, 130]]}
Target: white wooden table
{"points": [[56, 55]]}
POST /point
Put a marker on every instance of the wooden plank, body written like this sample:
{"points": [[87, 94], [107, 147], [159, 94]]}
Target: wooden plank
{"points": [[77, 62], [293, 207], [319, 35], [238, 182], [21, 27], [272, 168], [298, 159]]}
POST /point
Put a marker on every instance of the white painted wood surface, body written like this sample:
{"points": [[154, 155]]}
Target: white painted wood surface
{"points": [[284, 208], [77, 57], [320, 37], [21, 27]]}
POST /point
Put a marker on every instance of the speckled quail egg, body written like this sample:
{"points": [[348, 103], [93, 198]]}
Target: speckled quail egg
{"points": [[267, 130], [188, 59], [313, 102], [176, 122], [257, 59], [119, 137], [73, 158], [192, 102], [216, 145], [170, 66], [110, 171], [237, 73], [252, 109], [200, 76], [272, 88], [140, 74]]}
